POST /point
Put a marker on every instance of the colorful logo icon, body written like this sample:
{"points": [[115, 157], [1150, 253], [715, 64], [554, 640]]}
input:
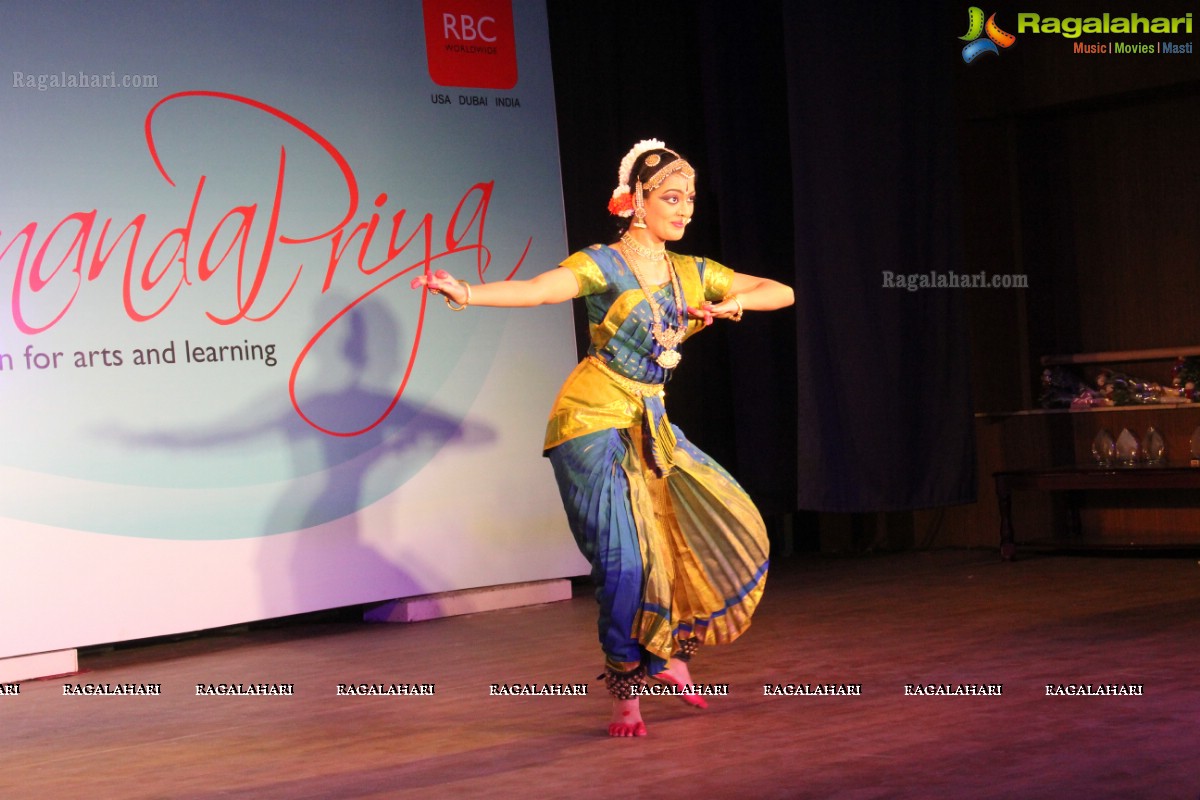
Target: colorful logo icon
{"points": [[470, 43], [976, 28]]}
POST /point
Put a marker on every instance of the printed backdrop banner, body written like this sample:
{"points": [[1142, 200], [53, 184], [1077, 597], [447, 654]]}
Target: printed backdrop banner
{"points": [[220, 399]]}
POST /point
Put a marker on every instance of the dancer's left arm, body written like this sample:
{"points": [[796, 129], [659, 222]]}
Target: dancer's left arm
{"points": [[749, 293]]}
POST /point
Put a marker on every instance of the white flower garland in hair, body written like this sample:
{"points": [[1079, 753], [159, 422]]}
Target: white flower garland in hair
{"points": [[623, 174]]}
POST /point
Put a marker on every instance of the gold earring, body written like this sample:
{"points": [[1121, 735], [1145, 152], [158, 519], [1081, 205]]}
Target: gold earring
{"points": [[639, 207]]}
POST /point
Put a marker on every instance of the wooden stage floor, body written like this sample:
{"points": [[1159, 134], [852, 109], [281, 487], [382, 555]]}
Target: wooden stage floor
{"points": [[884, 622]]}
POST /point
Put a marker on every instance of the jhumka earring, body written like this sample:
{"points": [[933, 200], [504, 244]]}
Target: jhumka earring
{"points": [[639, 207]]}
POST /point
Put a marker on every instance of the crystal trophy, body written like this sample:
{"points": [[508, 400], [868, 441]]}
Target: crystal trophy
{"points": [[1128, 450], [1104, 448], [1154, 449]]}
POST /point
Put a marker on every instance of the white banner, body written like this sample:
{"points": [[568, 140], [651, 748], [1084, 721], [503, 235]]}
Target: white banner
{"points": [[219, 398]]}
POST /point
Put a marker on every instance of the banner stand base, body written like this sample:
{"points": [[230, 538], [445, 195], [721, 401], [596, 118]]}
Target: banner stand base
{"points": [[39, 665], [470, 601]]}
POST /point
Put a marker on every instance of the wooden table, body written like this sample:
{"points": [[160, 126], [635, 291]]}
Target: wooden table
{"points": [[1083, 479]]}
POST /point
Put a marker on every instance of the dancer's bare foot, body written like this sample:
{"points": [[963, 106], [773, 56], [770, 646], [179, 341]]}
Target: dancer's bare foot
{"points": [[626, 719], [677, 674]]}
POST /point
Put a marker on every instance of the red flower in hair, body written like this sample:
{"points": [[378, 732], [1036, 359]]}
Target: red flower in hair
{"points": [[621, 205]]}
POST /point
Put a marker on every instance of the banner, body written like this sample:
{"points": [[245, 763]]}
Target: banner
{"points": [[220, 400]]}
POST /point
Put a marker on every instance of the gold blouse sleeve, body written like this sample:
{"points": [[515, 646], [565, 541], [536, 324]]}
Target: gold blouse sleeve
{"points": [[587, 272], [718, 280]]}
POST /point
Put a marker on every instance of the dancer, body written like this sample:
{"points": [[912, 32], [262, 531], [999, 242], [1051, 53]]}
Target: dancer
{"points": [[677, 548]]}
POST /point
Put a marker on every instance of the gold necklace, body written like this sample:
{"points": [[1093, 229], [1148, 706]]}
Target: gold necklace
{"points": [[645, 252], [668, 337]]}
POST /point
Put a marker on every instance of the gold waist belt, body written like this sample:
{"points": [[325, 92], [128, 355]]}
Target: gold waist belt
{"points": [[629, 384]]}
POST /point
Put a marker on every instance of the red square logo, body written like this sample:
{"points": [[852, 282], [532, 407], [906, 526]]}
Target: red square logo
{"points": [[470, 43]]}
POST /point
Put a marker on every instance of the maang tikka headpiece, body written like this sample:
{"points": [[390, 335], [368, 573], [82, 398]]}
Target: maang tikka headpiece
{"points": [[625, 203]]}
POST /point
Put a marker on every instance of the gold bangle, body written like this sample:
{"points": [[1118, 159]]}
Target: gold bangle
{"points": [[738, 316], [466, 300]]}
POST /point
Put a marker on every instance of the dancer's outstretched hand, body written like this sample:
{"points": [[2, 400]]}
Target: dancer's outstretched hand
{"points": [[441, 282]]}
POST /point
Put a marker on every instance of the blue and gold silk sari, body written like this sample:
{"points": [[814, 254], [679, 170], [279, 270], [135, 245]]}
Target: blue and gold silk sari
{"points": [[677, 548]]}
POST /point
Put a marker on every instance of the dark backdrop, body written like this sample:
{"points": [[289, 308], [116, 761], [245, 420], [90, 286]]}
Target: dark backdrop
{"points": [[822, 134]]}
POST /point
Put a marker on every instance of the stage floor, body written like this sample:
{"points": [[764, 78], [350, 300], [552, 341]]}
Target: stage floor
{"points": [[951, 619]]}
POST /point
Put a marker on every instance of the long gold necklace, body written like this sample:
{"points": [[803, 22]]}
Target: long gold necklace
{"points": [[667, 336]]}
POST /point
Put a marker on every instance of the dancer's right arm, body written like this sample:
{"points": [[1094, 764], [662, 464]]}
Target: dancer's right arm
{"points": [[553, 286]]}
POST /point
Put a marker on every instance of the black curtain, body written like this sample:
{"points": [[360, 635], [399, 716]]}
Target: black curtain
{"points": [[823, 135]]}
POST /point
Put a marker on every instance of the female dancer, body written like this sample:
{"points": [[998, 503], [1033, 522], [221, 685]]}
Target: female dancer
{"points": [[678, 550]]}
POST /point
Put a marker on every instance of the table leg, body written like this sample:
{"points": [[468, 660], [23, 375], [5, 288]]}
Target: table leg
{"points": [[1008, 547], [1074, 523]]}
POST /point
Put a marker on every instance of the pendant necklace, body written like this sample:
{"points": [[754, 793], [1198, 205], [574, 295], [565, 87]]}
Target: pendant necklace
{"points": [[667, 336]]}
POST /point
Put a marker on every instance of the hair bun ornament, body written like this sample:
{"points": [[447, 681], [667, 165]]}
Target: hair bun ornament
{"points": [[644, 146], [621, 204]]}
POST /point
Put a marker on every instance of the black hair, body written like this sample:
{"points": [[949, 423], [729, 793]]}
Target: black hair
{"points": [[644, 173]]}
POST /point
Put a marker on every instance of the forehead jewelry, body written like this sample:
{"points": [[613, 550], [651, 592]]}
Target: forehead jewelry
{"points": [[678, 165]]}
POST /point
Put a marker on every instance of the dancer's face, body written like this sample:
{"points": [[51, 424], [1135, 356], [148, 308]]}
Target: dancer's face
{"points": [[669, 208]]}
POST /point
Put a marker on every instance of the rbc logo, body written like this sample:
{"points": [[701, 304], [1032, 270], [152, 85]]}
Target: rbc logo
{"points": [[468, 28], [471, 43]]}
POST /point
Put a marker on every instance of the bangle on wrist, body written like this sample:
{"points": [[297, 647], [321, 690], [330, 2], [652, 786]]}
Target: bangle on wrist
{"points": [[466, 300], [738, 316]]}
